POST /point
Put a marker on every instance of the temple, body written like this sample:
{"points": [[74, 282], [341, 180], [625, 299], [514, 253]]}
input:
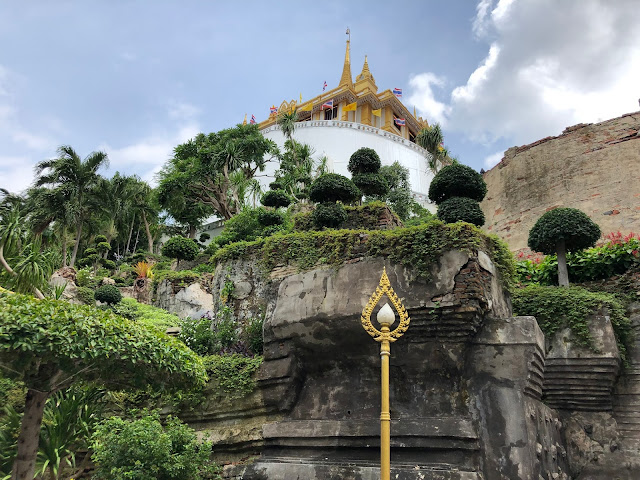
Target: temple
{"points": [[354, 114]]}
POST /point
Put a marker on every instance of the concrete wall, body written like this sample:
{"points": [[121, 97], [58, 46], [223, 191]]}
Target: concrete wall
{"points": [[338, 140], [592, 167]]}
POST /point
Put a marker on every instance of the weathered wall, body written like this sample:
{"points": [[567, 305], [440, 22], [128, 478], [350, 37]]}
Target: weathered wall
{"points": [[592, 167]]}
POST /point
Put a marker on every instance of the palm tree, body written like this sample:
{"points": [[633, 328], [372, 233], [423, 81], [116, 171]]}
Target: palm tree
{"points": [[287, 123], [432, 140], [77, 177]]}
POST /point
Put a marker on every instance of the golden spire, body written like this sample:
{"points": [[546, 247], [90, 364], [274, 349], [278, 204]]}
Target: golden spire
{"points": [[346, 70], [244, 122]]}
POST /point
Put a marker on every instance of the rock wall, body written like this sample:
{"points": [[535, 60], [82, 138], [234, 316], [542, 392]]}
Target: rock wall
{"points": [[592, 167]]}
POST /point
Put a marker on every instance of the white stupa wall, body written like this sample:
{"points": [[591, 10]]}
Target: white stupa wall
{"points": [[338, 140]]}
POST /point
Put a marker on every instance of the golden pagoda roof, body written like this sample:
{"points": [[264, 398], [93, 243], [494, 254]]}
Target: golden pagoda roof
{"points": [[363, 91]]}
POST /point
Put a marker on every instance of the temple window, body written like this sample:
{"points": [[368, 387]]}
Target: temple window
{"points": [[331, 113]]}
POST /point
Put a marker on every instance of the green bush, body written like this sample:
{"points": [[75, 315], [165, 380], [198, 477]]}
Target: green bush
{"points": [[145, 449], [108, 294], [569, 224], [254, 335], [364, 160], [103, 247], [556, 308], [84, 278], [85, 294], [461, 209], [180, 248], [90, 251], [110, 264], [233, 373], [275, 185], [198, 335], [245, 226], [276, 199], [370, 183], [457, 180], [146, 314], [268, 218], [99, 239], [204, 237], [330, 215], [332, 187]]}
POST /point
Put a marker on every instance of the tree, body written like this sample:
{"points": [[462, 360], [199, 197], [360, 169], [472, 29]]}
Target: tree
{"points": [[212, 169], [563, 230], [364, 165], [399, 197], [432, 140], [181, 248], [105, 349], [77, 178], [328, 189], [457, 189]]}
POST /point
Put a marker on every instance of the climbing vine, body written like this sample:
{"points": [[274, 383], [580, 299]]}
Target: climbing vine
{"points": [[234, 373]]}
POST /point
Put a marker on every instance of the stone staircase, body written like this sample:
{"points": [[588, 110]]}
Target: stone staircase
{"points": [[626, 403]]}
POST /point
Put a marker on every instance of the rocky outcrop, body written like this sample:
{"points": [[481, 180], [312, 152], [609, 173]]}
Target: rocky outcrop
{"points": [[189, 301]]}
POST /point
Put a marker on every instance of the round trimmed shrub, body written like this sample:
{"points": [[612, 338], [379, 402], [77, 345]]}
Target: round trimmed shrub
{"points": [[364, 160], [204, 237], [275, 185], [100, 239], [457, 180], [371, 183], [110, 264], [330, 215], [461, 209], [332, 187], [103, 247], [180, 248], [90, 251], [569, 224], [276, 199], [108, 294], [270, 217]]}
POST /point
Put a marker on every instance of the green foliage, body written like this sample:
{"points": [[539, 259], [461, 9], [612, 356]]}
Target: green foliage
{"points": [[109, 264], [204, 268], [210, 334], [99, 239], [364, 160], [86, 295], [332, 187], [461, 209], [254, 335], [371, 183], [11, 394], [234, 373], [108, 294], [85, 278], [9, 430], [181, 248], [268, 218], [204, 237], [556, 308], [90, 251], [147, 314], [418, 248], [365, 217], [569, 224], [145, 449], [103, 247], [457, 180], [245, 226], [276, 199], [35, 341], [329, 215], [182, 278]]}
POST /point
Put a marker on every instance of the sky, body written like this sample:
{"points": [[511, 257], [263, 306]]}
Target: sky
{"points": [[136, 78]]}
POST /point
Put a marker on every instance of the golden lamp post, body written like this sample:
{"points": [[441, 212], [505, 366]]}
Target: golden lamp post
{"points": [[385, 336]]}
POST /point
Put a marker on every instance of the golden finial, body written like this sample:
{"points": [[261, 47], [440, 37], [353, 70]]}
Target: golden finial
{"points": [[346, 78], [244, 122]]}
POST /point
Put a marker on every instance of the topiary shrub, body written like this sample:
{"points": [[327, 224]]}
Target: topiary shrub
{"points": [[204, 237], [563, 230], [100, 239], [330, 215], [110, 264], [268, 218], [103, 247], [108, 294], [364, 160], [332, 187], [276, 199], [180, 248], [463, 209], [457, 180], [90, 251], [275, 185], [371, 183], [85, 295]]}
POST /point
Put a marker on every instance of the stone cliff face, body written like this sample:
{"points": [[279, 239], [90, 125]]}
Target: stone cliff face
{"points": [[466, 378], [594, 167]]}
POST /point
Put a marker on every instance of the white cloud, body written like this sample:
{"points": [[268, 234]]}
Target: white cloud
{"points": [[183, 111], [549, 65], [15, 173]]}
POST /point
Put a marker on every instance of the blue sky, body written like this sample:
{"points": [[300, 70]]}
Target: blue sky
{"points": [[136, 78]]}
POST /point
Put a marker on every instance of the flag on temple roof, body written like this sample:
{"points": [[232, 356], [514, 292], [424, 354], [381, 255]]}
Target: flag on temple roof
{"points": [[377, 113], [253, 120], [352, 107], [307, 108], [273, 110], [397, 92], [325, 86], [399, 121], [328, 104]]}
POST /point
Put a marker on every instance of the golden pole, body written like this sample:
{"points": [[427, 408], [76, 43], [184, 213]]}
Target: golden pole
{"points": [[385, 336], [385, 415]]}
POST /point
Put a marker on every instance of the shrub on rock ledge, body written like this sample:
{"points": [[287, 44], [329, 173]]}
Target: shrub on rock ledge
{"points": [[108, 294], [330, 215], [462, 209]]}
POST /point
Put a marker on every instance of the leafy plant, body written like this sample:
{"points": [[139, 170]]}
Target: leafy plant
{"points": [[58, 290], [457, 180], [461, 209], [108, 294], [145, 449], [332, 187], [143, 270], [180, 248], [86, 295], [276, 199], [234, 373], [330, 215]]}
